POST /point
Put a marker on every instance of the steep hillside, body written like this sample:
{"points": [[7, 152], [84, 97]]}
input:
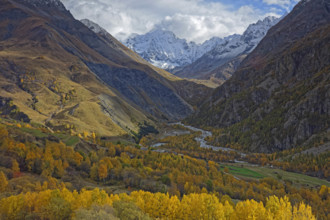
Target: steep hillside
{"points": [[59, 72], [225, 71], [41, 71], [192, 91], [279, 97]]}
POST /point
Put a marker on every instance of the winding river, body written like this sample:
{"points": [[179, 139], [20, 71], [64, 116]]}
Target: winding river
{"points": [[201, 139]]}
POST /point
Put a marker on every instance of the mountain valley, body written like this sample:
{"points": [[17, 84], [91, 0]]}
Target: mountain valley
{"points": [[158, 127], [66, 67]]}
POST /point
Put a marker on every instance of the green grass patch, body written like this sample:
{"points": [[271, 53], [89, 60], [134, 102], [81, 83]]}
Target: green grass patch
{"points": [[73, 140], [61, 135], [240, 171], [67, 139], [35, 132], [258, 172], [295, 178]]}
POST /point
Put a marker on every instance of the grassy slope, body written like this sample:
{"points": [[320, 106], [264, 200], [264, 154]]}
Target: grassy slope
{"points": [[43, 52], [258, 172], [89, 115]]}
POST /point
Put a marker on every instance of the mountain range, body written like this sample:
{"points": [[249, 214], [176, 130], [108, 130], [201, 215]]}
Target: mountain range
{"points": [[73, 76], [61, 73], [165, 50], [200, 61], [91, 130]]}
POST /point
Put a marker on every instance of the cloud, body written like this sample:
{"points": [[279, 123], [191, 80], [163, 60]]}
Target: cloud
{"points": [[277, 2], [286, 4], [201, 27], [194, 20]]}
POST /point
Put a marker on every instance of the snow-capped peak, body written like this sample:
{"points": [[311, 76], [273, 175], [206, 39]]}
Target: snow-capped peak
{"points": [[260, 28], [236, 45], [94, 27], [165, 50]]}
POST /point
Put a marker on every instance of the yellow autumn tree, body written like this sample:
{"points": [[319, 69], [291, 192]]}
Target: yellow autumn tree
{"points": [[15, 168], [201, 206], [78, 158], [249, 209], [324, 190], [62, 204], [85, 134], [102, 171], [93, 135], [302, 212], [3, 182], [279, 208]]}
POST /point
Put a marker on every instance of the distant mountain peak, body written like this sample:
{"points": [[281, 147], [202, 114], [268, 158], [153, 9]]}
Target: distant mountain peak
{"points": [[230, 49], [264, 24], [164, 49], [255, 32]]}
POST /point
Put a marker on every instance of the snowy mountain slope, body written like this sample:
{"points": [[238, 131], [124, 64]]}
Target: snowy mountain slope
{"points": [[208, 65], [165, 50]]}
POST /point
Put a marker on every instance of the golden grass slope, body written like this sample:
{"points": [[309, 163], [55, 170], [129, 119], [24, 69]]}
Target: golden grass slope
{"points": [[41, 76]]}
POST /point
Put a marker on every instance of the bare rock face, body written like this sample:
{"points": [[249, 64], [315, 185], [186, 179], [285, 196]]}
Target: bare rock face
{"points": [[279, 96]]}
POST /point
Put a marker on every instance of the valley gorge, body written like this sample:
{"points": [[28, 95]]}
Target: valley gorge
{"points": [[158, 127]]}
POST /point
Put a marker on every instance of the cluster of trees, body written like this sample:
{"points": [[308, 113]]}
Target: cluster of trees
{"points": [[51, 160], [289, 160], [187, 145], [174, 174], [64, 204]]}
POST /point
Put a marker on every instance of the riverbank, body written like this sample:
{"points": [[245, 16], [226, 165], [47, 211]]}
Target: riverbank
{"points": [[203, 143]]}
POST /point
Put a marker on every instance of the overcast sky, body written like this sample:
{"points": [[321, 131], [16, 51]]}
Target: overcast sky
{"points": [[194, 20]]}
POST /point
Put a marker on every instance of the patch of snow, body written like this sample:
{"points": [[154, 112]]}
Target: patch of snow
{"points": [[235, 45], [163, 49]]}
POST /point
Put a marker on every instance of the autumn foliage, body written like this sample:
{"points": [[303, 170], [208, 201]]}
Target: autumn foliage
{"points": [[174, 186], [63, 204]]}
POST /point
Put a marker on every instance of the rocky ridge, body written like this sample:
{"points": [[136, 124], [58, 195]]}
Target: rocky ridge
{"points": [[190, 60], [279, 96], [227, 52]]}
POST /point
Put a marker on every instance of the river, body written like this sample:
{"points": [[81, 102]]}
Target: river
{"points": [[201, 139]]}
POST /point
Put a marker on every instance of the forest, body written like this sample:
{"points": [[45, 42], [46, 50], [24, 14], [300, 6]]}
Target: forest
{"points": [[44, 175]]}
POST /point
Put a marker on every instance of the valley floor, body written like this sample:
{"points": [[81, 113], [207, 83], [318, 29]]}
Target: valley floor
{"points": [[45, 175], [239, 167]]}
